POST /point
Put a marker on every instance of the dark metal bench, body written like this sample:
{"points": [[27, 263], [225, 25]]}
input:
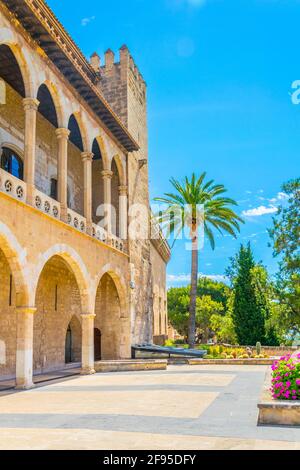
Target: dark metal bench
{"points": [[151, 348]]}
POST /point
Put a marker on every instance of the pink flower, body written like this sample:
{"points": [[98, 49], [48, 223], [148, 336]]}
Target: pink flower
{"points": [[288, 384], [298, 382]]}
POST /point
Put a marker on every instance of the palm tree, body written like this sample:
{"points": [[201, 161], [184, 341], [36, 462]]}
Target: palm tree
{"points": [[197, 203]]}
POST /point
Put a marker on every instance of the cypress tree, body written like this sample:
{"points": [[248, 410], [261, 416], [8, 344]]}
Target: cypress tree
{"points": [[248, 316]]}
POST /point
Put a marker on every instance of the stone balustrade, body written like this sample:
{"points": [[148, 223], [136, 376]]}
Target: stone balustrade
{"points": [[77, 221], [46, 204], [17, 189], [117, 243], [101, 234], [13, 186]]}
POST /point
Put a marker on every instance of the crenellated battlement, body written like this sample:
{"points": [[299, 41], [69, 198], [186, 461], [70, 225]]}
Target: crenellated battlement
{"points": [[124, 62], [124, 87], [121, 67]]}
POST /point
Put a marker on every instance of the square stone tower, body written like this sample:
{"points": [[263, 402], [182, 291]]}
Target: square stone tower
{"points": [[125, 89]]}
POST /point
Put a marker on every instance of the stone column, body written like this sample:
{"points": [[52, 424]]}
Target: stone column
{"points": [[88, 359], [87, 159], [24, 359], [107, 177], [62, 135], [30, 107], [123, 211]]}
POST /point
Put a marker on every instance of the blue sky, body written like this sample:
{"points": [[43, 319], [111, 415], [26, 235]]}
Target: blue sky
{"points": [[219, 75]]}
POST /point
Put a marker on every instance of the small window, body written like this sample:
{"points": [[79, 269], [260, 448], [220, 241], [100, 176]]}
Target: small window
{"points": [[12, 163], [54, 191], [53, 188]]}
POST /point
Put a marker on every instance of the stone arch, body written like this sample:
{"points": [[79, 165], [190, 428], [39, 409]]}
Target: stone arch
{"points": [[53, 92], [76, 265], [112, 317], [83, 133], [102, 146], [121, 170], [16, 257], [14, 147], [115, 273], [22, 64]]}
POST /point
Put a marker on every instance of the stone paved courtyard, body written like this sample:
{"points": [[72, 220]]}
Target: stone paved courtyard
{"points": [[201, 407]]}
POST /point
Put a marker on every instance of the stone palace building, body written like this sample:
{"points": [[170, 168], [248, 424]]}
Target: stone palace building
{"points": [[73, 138]]}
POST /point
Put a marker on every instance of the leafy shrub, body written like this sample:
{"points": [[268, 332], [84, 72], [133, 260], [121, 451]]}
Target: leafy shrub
{"points": [[286, 378], [179, 341]]}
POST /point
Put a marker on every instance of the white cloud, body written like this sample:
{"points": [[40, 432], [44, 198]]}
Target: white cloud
{"points": [[282, 196], [86, 21], [260, 211], [175, 279]]}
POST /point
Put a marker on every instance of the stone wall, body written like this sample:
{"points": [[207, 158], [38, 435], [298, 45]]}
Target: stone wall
{"points": [[12, 132], [8, 324], [125, 90], [58, 304], [97, 192], [160, 311], [108, 318]]}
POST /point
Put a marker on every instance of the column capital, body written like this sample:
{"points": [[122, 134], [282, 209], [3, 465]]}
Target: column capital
{"points": [[123, 190], [30, 103], [62, 133], [87, 156], [88, 316], [107, 174], [26, 310]]}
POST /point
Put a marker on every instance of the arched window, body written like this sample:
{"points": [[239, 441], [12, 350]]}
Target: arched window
{"points": [[12, 163]]}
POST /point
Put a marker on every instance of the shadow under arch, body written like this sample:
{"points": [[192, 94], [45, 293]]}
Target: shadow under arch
{"points": [[11, 53], [76, 266], [121, 171], [100, 143], [112, 318], [78, 134], [119, 281], [16, 258], [73, 342], [50, 103]]}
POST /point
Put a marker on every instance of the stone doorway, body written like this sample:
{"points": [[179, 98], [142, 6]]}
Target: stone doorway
{"points": [[97, 344], [68, 347]]}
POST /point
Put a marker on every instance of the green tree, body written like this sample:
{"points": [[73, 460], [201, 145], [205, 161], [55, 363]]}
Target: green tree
{"points": [[285, 235], [212, 299], [194, 204], [205, 309], [224, 329], [218, 291], [178, 309], [247, 308]]}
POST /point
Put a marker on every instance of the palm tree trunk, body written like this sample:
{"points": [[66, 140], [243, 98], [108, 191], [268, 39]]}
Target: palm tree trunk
{"points": [[194, 283]]}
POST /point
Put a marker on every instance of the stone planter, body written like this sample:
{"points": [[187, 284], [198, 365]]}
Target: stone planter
{"points": [[277, 412]]}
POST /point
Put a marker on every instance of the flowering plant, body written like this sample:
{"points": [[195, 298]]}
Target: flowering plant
{"points": [[286, 378]]}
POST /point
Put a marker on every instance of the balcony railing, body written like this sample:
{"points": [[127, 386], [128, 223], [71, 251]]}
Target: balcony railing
{"points": [[46, 204], [13, 186], [76, 221], [101, 234], [17, 189]]}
